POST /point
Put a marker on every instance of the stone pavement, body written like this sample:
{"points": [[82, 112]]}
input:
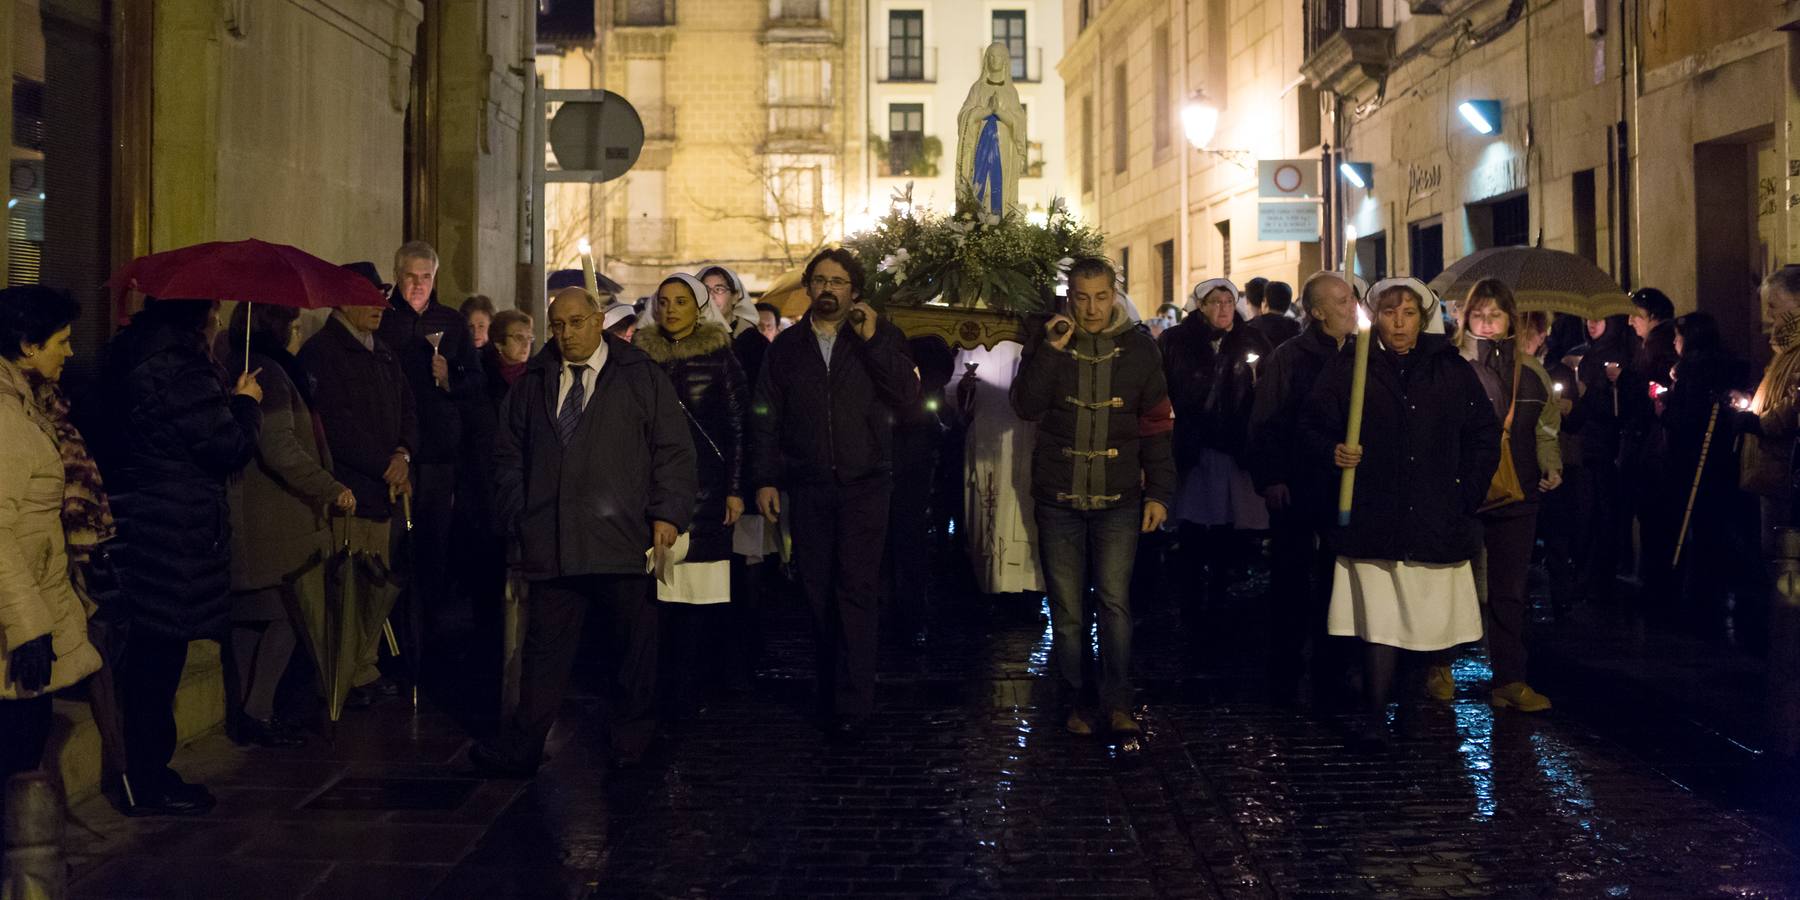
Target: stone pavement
{"points": [[967, 786]]}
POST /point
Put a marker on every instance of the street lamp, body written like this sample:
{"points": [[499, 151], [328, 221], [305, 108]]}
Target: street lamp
{"points": [[1482, 115], [1200, 122], [1359, 174]]}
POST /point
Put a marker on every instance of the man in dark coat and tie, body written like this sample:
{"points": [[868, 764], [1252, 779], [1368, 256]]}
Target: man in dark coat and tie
{"points": [[593, 467]]}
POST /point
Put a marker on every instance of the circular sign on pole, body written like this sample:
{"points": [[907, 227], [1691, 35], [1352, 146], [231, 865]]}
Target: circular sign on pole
{"points": [[603, 136], [1287, 179]]}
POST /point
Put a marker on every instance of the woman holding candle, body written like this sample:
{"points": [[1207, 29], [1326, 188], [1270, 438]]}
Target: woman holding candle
{"points": [[1519, 390], [1403, 579], [689, 341], [1210, 362]]}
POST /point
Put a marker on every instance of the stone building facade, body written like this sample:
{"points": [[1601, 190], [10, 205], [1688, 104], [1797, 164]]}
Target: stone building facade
{"points": [[755, 150], [342, 127], [1128, 69]]}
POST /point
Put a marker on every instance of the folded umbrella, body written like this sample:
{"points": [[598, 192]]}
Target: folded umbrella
{"points": [[1542, 280]]}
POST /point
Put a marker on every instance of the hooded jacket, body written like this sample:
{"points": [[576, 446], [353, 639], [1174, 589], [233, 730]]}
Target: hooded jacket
{"points": [[813, 424], [1104, 417], [36, 598], [175, 436], [711, 389], [586, 508], [1430, 446]]}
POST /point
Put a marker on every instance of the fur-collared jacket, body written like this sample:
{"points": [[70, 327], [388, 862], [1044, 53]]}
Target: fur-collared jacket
{"points": [[710, 386]]}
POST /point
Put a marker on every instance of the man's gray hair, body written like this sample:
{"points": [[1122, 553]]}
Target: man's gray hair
{"points": [[414, 250], [1785, 279]]}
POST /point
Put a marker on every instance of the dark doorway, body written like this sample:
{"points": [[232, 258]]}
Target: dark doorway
{"points": [[1725, 243], [1505, 222], [1426, 242]]}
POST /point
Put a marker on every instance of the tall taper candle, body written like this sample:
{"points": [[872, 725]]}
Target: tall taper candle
{"points": [[1359, 380], [587, 268]]}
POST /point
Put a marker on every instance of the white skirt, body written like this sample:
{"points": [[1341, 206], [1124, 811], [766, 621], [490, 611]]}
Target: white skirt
{"points": [[697, 583], [1412, 606]]}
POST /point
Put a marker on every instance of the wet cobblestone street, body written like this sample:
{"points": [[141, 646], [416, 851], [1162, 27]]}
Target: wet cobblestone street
{"points": [[966, 786]]}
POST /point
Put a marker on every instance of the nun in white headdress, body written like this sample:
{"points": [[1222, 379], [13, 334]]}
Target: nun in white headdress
{"points": [[1403, 581], [1211, 361], [725, 292]]}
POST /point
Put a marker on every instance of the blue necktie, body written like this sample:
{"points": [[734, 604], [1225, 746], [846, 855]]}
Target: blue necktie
{"points": [[570, 414]]}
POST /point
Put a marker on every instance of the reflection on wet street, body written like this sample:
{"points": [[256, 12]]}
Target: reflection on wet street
{"points": [[966, 786]]}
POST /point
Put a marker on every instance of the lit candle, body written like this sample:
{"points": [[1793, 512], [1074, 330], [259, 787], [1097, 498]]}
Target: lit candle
{"points": [[587, 267], [1359, 380]]}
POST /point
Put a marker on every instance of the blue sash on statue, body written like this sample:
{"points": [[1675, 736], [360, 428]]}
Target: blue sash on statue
{"points": [[989, 178]]}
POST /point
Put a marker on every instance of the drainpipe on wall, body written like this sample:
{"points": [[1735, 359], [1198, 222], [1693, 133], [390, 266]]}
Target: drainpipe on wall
{"points": [[531, 256], [1183, 225]]}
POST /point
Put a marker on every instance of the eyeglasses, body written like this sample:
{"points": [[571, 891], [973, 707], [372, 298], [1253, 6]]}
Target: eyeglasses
{"points": [[718, 290], [1218, 301], [836, 284], [575, 322], [519, 336]]}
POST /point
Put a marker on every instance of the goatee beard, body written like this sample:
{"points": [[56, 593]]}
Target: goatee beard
{"points": [[826, 304]]}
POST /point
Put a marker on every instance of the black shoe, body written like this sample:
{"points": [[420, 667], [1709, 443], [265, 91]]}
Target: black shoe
{"points": [[491, 763], [385, 687], [170, 797], [270, 732], [360, 697]]}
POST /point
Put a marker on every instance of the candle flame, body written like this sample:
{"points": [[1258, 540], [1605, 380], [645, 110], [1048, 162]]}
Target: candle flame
{"points": [[583, 247], [1558, 386], [1349, 232], [1362, 320], [1251, 358]]}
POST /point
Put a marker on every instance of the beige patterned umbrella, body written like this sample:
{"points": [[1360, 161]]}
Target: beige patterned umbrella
{"points": [[1542, 281]]}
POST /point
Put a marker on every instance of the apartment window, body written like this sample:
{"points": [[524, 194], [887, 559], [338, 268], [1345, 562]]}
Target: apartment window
{"points": [[800, 96], [804, 10], [1121, 133], [1165, 261], [1427, 245], [1224, 247], [1087, 145], [906, 45], [644, 12], [1500, 223], [1009, 29], [1125, 267], [906, 137], [1163, 111]]}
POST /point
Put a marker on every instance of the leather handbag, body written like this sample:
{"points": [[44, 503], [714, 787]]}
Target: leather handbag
{"points": [[1505, 488]]}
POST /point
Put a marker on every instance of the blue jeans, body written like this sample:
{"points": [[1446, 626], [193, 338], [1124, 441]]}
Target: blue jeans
{"points": [[1075, 549]]}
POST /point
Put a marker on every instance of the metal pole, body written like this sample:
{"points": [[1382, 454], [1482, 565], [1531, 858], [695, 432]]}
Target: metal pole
{"points": [[1712, 421]]}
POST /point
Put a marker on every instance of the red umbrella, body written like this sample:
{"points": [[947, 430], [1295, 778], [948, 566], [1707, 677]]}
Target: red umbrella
{"points": [[249, 271]]}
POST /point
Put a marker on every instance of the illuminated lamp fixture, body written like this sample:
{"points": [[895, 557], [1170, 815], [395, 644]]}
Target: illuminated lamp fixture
{"points": [[1482, 115], [1200, 123], [1359, 174]]}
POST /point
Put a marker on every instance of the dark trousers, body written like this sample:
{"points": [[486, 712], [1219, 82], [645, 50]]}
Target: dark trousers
{"points": [[1501, 571], [1077, 548], [434, 503], [906, 574], [148, 677], [1299, 599], [1610, 531], [556, 610], [24, 731], [839, 534]]}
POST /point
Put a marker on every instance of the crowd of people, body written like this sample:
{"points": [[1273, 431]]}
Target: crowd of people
{"points": [[653, 461]]}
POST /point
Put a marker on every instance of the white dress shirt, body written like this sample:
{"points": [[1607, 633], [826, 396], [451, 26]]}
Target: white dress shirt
{"points": [[590, 377]]}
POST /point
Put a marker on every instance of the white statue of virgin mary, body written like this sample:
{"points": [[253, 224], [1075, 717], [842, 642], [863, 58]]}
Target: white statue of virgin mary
{"points": [[991, 144]]}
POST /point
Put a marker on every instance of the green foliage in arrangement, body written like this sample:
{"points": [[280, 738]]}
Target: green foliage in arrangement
{"points": [[974, 258]]}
